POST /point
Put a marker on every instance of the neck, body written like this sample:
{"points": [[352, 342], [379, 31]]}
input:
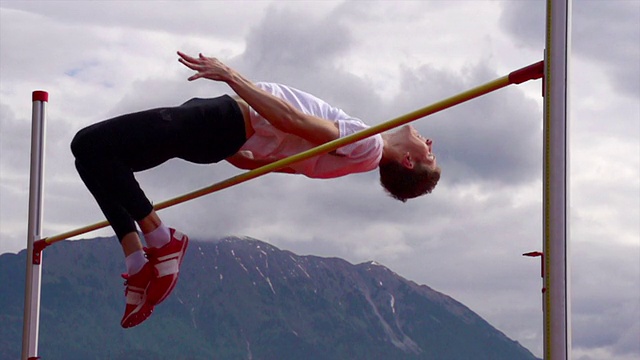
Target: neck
{"points": [[389, 150]]}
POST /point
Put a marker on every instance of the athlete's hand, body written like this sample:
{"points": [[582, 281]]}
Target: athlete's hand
{"points": [[206, 67]]}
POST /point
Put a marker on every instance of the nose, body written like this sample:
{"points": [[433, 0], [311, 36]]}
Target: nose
{"points": [[429, 143]]}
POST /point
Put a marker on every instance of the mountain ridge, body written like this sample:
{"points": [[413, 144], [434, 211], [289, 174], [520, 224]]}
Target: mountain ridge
{"points": [[242, 298]]}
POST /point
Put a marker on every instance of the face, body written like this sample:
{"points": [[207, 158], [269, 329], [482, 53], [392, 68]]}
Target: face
{"points": [[417, 146]]}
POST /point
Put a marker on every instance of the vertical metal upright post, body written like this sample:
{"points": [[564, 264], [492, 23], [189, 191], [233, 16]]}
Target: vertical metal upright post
{"points": [[557, 302], [34, 265]]}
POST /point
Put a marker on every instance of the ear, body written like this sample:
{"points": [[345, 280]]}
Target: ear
{"points": [[406, 161]]}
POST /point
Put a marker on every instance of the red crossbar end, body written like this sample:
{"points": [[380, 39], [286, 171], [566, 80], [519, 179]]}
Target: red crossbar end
{"points": [[533, 254], [34, 358], [38, 246], [531, 72]]}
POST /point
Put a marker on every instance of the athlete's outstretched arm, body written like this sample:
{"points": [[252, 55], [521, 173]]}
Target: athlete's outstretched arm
{"points": [[278, 112]]}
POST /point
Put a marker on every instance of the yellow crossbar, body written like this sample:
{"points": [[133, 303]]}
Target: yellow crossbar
{"points": [[530, 72]]}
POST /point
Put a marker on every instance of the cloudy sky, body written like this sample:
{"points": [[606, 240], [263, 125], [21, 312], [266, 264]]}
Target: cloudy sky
{"points": [[376, 60]]}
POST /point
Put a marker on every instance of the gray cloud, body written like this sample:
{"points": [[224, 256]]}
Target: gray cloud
{"points": [[12, 147], [14, 169], [604, 31], [303, 54], [282, 41], [600, 320], [165, 16], [495, 138], [596, 25]]}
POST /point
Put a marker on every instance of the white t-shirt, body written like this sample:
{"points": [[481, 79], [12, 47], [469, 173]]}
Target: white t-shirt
{"points": [[271, 143]]}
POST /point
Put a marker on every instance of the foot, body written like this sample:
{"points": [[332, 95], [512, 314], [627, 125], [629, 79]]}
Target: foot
{"points": [[166, 262], [137, 309]]}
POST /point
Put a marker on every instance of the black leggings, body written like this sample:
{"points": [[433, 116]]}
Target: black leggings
{"points": [[107, 153]]}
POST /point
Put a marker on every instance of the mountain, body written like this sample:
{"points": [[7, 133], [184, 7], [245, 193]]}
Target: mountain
{"points": [[240, 298]]}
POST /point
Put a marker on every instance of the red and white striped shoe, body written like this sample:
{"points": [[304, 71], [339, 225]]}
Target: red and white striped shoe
{"points": [[166, 263], [137, 308]]}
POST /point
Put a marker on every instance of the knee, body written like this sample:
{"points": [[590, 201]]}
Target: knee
{"points": [[81, 144]]}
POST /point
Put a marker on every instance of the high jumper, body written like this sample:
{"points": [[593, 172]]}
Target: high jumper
{"points": [[261, 124]]}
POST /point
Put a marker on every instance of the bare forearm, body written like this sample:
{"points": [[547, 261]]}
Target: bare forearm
{"points": [[278, 112]]}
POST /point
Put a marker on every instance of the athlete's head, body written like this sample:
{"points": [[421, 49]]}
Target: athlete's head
{"points": [[408, 168]]}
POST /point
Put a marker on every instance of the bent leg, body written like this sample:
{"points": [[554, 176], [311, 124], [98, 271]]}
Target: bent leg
{"points": [[118, 217], [108, 153]]}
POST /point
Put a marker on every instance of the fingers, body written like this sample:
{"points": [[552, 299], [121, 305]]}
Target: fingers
{"points": [[185, 60], [189, 61], [191, 66], [205, 67], [192, 63], [186, 57]]}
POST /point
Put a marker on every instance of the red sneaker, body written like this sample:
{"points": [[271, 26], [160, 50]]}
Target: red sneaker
{"points": [[137, 309], [166, 262]]}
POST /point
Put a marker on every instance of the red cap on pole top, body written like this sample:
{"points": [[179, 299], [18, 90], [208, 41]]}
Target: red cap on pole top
{"points": [[40, 95]]}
